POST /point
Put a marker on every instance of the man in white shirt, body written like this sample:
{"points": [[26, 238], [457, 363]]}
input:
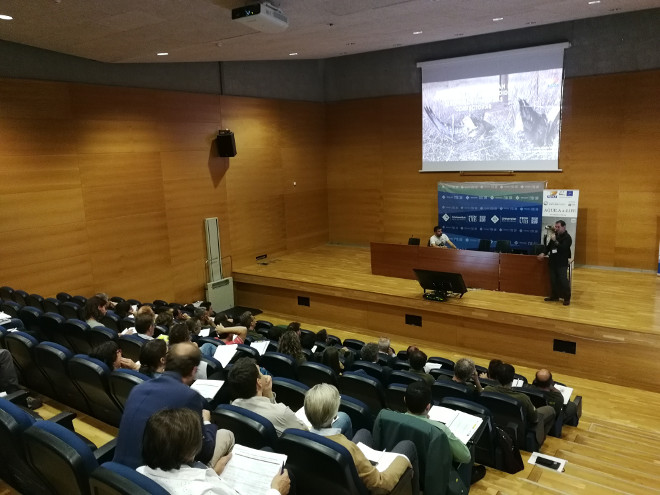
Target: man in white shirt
{"points": [[439, 239]]}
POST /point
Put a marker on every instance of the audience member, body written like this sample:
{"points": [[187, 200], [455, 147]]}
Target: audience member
{"points": [[417, 360], [321, 407], [250, 322], [289, 343], [169, 390], [543, 381], [123, 309], [179, 333], [330, 357], [254, 391], [95, 310], [465, 373], [165, 319], [418, 402], [542, 418], [385, 353], [152, 358], [228, 332], [194, 326], [110, 354], [144, 326], [179, 315], [8, 376], [369, 353], [492, 369], [171, 442]]}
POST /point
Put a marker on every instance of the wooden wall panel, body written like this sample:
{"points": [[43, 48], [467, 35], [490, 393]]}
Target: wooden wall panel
{"points": [[106, 188], [608, 151]]}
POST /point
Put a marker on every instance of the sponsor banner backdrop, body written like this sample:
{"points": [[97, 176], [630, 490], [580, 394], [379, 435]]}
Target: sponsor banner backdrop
{"points": [[560, 204], [471, 211]]}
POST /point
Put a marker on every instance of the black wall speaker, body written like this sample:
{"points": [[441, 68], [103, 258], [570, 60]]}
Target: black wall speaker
{"points": [[225, 143]]}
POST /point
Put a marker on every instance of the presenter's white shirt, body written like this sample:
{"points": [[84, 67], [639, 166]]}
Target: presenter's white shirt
{"points": [[439, 241]]}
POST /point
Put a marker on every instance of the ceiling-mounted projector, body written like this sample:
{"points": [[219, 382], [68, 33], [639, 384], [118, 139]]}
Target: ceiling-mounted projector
{"points": [[262, 17]]}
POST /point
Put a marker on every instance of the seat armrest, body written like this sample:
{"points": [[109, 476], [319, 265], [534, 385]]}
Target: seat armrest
{"points": [[106, 452], [578, 405], [19, 397], [64, 419]]}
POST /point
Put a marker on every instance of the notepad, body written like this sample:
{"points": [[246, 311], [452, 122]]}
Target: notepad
{"points": [[224, 353], [381, 459], [461, 424], [207, 388], [566, 392], [260, 346], [432, 366], [251, 471]]}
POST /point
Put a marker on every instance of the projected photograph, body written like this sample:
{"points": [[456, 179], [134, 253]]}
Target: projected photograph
{"points": [[501, 118]]}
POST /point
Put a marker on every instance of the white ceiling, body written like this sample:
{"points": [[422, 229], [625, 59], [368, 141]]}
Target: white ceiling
{"points": [[202, 30]]}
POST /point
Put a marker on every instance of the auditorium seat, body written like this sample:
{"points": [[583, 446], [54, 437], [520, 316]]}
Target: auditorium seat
{"points": [[395, 395], [401, 365], [279, 364], [122, 381], [447, 388], [487, 450], [404, 377], [91, 376], [320, 466], [333, 340], [14, 467], [539, 399], [250, 429], [35, 300], [79, 300], [19, 296], [159, 302], [134, 302], [117, 299], [130, 346], [503, 246], [484, 245], [10, 307], [74, 332], [290, 392], [372, 369], [6, 292], [509, 414], [21, 345], [447, 364], [365, 388], [29, 315], [99, 335], [311, 374], [63, 297], [213, 366], [437, 372], [51, 305], [112, 478], [69, 310], [358, 411], [52, 359], [125, 323], [62, 458], [49, 325], [243, 350], [111, 321], [354, 344]]}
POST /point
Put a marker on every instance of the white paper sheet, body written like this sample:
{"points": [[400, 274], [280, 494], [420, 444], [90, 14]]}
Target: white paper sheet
{"points": [[207, 388], [251, 471], [565, 391], [380, 458], [224, 353]]}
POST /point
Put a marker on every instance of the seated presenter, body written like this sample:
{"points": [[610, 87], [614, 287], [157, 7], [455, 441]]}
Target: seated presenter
{"points": [[440, 240]]}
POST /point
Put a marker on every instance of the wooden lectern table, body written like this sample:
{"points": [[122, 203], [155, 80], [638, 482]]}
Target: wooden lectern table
{"points": [[519, 273]]}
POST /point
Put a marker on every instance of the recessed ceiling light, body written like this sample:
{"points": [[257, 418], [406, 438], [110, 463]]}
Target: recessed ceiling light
{"points": [[5, 17], [498, 19], [593, 2], [162, 54], [293, 54], [418, 32]]}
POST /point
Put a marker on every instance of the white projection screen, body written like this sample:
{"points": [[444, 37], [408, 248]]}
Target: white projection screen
{"points": [[493, 112]]}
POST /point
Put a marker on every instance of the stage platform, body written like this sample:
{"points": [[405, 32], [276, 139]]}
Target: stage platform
{"points": [[610, 332]]}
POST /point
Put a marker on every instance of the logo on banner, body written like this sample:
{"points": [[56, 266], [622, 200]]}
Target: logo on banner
{"points": [[445, 217], [494, 219]]}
